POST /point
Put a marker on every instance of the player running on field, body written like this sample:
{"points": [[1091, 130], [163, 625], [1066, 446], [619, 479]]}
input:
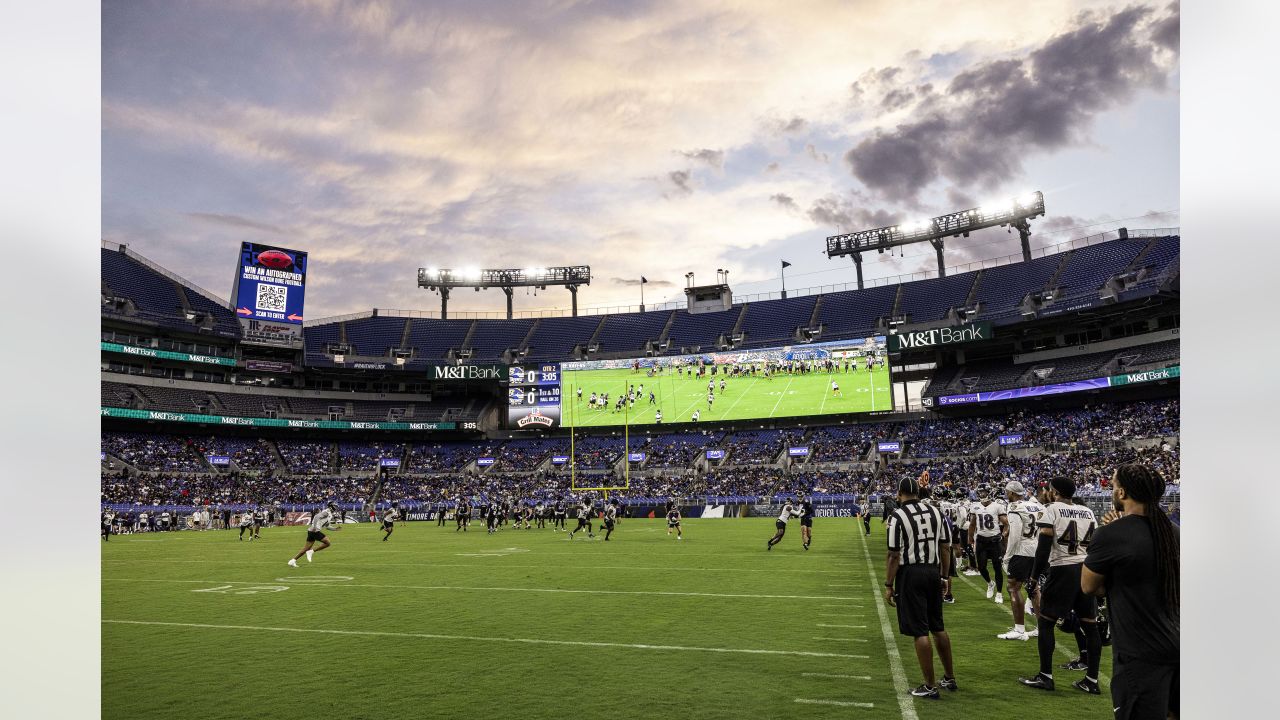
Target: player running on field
{"points": [[246, 523], [835, 390], [320, 521], [673, 521], [389, 519], [584, 519], [789, 510], [610, 516]]}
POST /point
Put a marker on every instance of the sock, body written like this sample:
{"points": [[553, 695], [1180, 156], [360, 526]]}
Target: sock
{"points": [[1093, 643], [1045, 643], [1019, 628]]}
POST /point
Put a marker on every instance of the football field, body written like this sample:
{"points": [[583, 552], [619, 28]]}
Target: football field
{"points": [[744, 398], [528, 624]]}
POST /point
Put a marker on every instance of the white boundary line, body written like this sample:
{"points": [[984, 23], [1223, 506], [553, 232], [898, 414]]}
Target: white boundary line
{"points": [[834, 675], [861, 640], [855, 627], [496, 589], [1103, 678], [895, 660], [838, 703], [839, 615], [527, 641], [521, 566]]}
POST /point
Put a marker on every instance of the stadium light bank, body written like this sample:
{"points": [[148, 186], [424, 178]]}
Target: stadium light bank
{"points": [[1015, 213], [445, 279]]}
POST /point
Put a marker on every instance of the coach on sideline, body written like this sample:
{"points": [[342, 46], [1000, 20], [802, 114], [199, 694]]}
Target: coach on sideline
{"points": [[1133, 560], [916, 567]]}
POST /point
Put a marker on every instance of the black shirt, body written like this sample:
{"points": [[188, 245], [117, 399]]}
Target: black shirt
{"points": [[1141, 626]]}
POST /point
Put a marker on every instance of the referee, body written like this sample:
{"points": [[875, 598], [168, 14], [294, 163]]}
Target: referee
{"points": [[919, 549]]}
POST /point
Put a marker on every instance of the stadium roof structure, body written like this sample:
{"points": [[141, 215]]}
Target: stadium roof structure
{"points": [[537, 277], [1014, 213]]}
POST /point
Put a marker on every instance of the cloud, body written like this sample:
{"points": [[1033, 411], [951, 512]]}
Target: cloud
{"points": [[771, 167], [784, 200], [997, 111], [680, 178], [636, 281], [714, 158], [813, 153], [236, 221], [844, 216]]}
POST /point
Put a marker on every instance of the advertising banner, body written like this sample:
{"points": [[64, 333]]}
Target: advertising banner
{"points": [[914, 340], [801, 451], [469, 372], [115, 412], [268, 292], [889, 447], [559, 459], [1060, 388], [219, 459], [485, 461], [389, 462], [1015, 439], [636, 457], [166, 354], [273, 366], [533, 397], [715, 454]]}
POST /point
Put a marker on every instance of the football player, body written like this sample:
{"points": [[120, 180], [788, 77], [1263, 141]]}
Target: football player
{"points": [[321, 520], [988, 524]]}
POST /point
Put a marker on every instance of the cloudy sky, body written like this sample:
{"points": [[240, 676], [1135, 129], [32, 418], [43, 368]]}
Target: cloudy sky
{"points": [[641, 138]]}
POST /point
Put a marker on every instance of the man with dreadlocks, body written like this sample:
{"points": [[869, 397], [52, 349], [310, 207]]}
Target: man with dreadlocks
{"points": [[1133, 560]]}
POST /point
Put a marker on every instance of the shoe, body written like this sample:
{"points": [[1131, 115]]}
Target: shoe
{"points": [[949, 684], [991, 590], [1076, 664], [805, 546], [1033, 632], [924, 691], [1013, 635], [949, 599], [1039, 682], [971, 572], [999, 598], [1028, 609], [1087, 685], [293, 563], [309, 554], [768, 546]]}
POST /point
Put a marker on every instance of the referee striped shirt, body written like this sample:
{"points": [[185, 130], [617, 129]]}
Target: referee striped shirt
{"points": [[916, 530]]}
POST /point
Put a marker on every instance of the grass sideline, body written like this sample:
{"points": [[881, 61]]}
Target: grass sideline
{"points": [[743, 399], [639, 627]]}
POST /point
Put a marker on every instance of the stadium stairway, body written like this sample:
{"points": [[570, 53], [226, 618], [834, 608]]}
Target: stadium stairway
{"points": [[973, 291], [737, 326], [281, 466], [533, 328], [342, 333], [404, 336], [596, 335], [813, 317], [1053, 281], [466, 340], [897, 302], [666, 329]]}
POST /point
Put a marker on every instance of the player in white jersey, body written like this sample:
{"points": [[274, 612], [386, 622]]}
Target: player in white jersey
{"points": [[321, 520], [585, 511], [1065, 531], [246, 523], [1020, 555], [389, 518], [987, 528], [790, 510], [610, 516]]}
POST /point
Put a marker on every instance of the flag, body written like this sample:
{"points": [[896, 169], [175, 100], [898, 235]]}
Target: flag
{"points": [[643, 280], [786, 264]]}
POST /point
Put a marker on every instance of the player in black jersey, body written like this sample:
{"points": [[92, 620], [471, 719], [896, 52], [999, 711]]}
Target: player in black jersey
{"points": [[462, 513], [673, 520], [389, 519], [558, 515], [493, 515], [806, 521]]}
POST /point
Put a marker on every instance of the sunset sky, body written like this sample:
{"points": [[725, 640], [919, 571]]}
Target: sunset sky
{"points": [[641, 138]]}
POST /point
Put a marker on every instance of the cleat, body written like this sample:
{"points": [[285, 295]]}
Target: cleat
{"points": [[949, 599], [1086, 685], [1039, 682], [1013, 635], [949, 684], [309, 554], [991, 590], [1033, 632], [999, 599], [293, 563], [1076, 664], [971, 573], [924, 691]]}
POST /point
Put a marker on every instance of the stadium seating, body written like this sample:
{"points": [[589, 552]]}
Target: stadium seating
{"points": [[556, 337], [156, 297], [629, 331], [492, 337], [853, 314], [930, 300], [773, 322]]}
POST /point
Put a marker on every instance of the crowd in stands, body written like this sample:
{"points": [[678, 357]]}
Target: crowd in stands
{"points": [[307, 458], [246, 453], [365, 456], [152, 451]]}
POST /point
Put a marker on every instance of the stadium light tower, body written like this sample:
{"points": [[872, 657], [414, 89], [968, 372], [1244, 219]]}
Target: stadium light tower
{"points": [[445, 279], [1013, 212]]}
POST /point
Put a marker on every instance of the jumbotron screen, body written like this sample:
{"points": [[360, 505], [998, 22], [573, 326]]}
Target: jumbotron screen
{"points": [[833, 378]]}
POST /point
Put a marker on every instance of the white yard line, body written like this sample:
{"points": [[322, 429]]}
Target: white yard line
{"points": [[855, 627], [521, 566], [837, 703], [907, 707], [860, 640], [834, 675], [528, 641], [783, 395], [465, 588]]}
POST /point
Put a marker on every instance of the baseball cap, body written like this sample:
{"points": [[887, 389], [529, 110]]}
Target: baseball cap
{"points": [[1015, 487]]}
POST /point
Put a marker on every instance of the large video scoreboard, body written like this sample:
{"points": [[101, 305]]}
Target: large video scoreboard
{"points": [[533, 397]]}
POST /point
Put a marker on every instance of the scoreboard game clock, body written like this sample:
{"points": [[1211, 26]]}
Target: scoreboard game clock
{"points": [[533, 397]]}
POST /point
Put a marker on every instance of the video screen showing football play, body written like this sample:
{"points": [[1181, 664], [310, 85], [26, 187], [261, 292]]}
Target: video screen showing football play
{"points": [[819, 379]]}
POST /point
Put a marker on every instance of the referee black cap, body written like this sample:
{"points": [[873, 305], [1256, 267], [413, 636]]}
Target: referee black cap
{"points": [[1063, 486]]}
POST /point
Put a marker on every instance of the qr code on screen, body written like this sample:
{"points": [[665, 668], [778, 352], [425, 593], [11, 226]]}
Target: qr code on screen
{"points": [[272, 298]]}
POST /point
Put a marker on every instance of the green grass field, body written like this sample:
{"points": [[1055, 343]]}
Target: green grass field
{"points": [[743, 398], [530, 624]]}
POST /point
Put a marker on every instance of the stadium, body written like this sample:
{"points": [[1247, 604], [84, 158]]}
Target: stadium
{"points": [[357, 485]]}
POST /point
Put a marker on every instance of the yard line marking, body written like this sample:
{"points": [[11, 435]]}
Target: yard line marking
{"points": [[505, 589], [855, 627], [784, 394], [833, 675], [839, 615], [842, 639], [1103, 678], [838, 703], [527, 641], [493, 566], [895, 660], [744, 394], [854, 605]]}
